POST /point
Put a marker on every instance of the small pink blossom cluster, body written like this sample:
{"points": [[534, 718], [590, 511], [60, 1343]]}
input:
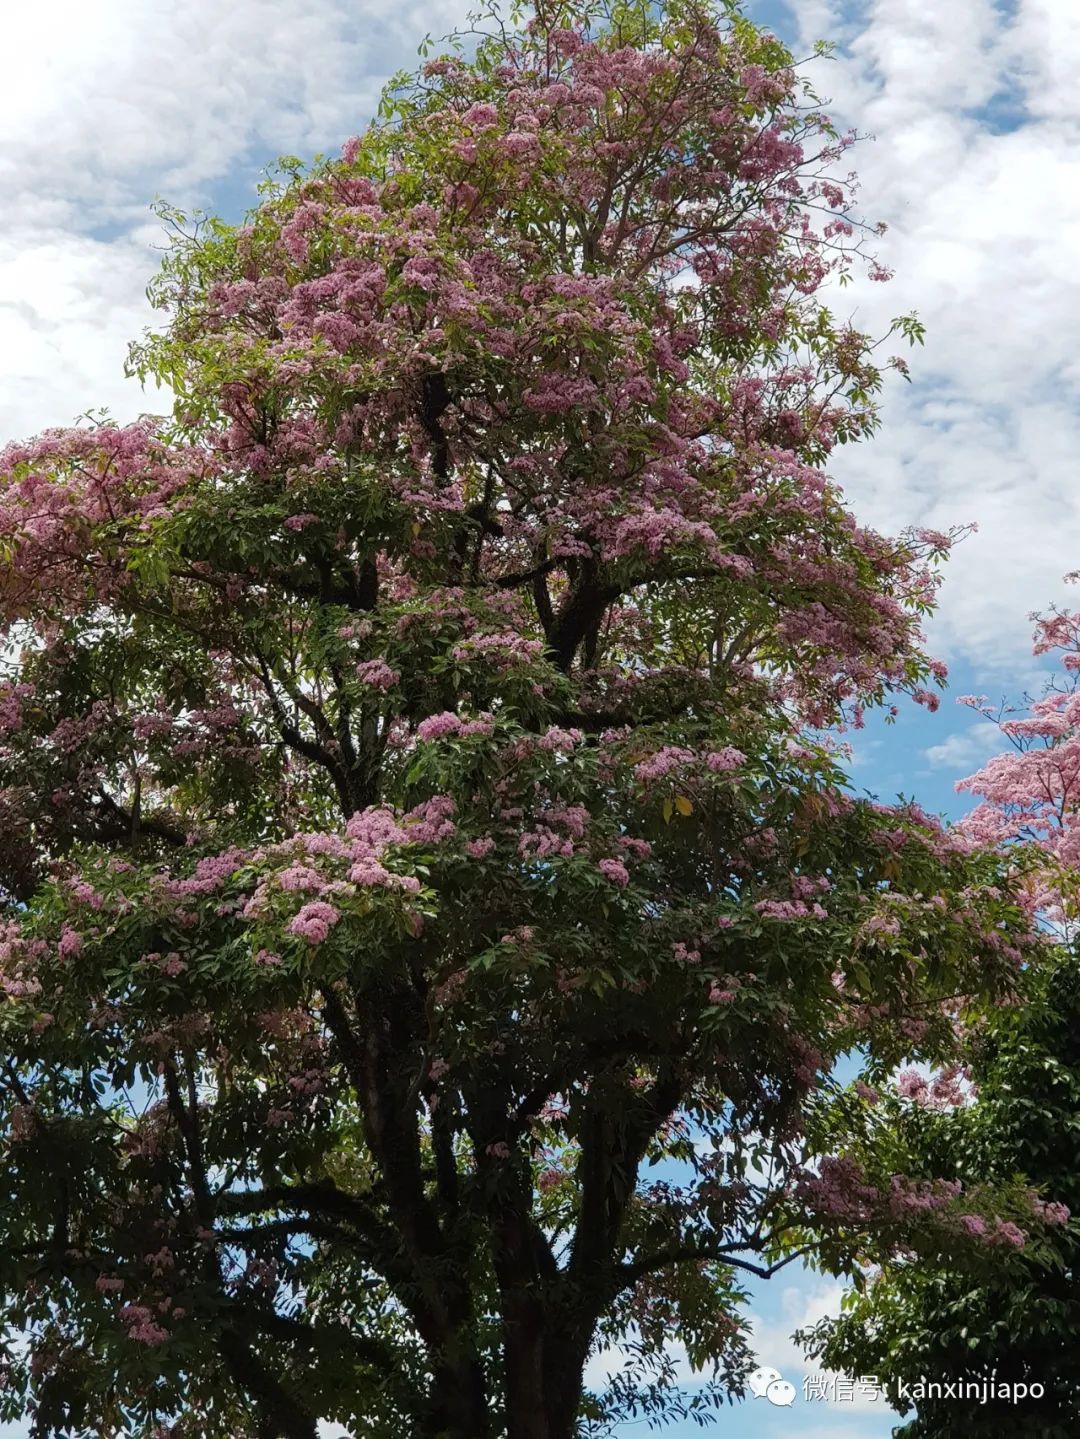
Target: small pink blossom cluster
{"points": [[544, 842], [12, 698], [141, 1325], [300, 877], [377, 674], [210, 874], [882, 924], [71, 942], [157, 724], [504, 650], [1051, 1211], [663, 762], [430, 822], [557, 740], [789, 909], [441, 726], [841, 1190], [718, 994], [615, 871], [944, 1090], [314, 922], [728, 758], [524, 934]]}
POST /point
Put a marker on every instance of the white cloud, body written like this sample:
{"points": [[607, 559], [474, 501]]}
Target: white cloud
{"points": [[966, 750], [606, 1363], [863, 754], [130, 90], [802, 1305], [69, 304], [803, 1301], [984, 230], [108, 105]]}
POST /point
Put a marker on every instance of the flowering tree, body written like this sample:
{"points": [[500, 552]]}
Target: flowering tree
{"points": [[1030, 793], [1000, 1346], [414, 826], [1009, 1110]]}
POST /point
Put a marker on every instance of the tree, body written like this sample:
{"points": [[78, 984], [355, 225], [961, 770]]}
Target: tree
{"points": [[1004, 1343], [415, 827], [1016, 1116]]}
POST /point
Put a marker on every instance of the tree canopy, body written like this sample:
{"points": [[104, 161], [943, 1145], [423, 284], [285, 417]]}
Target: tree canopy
{"points": [[432, 906]]}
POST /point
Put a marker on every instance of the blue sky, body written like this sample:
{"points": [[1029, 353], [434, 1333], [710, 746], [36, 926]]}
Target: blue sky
{"points": [[975, 167]]}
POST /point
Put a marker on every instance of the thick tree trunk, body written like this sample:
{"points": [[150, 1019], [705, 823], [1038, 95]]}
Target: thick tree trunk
{"points": [[459, 1403], [564, 1370], [544, 1367], [280, 1416], [527, 1400]]}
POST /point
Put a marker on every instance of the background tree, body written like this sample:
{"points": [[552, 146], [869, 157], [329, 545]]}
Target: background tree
{"points": [[414, 826], [1017, 1115], [927, 1320]]}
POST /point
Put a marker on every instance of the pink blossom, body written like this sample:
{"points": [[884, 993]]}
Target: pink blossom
{"points": [[377, 674], [141, 1325], [299, 877], [71, 942], [86, 894], [438, 726], [662, 762], [614, 870], [912, 1084], [1051, 1213], [724, 759], [481, 116], [314, 922]]}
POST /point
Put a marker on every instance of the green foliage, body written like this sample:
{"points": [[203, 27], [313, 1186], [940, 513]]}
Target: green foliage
{"points": [[941, 1321]]}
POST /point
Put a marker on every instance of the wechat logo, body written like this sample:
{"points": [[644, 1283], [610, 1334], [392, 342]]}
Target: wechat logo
{"points": [[770, 1384]]}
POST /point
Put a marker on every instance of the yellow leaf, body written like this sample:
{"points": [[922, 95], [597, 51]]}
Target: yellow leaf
{"points": [[669, 810], [683, 805]]}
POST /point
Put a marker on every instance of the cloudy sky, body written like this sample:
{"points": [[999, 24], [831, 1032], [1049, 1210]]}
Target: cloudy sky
{"points": [[975, 167]]}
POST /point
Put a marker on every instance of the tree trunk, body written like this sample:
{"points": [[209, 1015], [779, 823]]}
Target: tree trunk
{"points": [[527, 1400], [459, 1403]]}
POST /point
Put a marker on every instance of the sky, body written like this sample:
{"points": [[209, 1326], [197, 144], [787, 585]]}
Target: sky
{"points": [[974, 166]]}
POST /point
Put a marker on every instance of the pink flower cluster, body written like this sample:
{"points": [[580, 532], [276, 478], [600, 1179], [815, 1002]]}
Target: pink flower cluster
{"points": [[314, 922], [378, 674], [441, 726], [141, 1325], [615, 871]]}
